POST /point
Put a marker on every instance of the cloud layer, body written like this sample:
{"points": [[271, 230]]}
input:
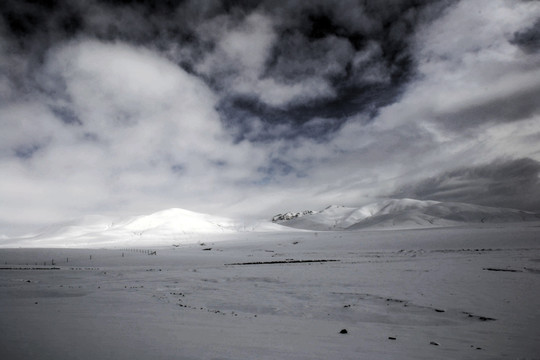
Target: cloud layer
{"points": [[249, 108], [510, 183]]}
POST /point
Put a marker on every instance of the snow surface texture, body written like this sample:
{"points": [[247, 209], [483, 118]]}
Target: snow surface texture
{"points": [[448, 293], [401, 213]]}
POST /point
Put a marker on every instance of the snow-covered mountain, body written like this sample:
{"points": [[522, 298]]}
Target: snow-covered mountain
{"points": [[401, 213], [167, 226], [176, 226]]}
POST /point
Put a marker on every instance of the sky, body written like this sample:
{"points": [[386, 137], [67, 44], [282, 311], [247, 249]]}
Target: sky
{"points": [[252, 108]]}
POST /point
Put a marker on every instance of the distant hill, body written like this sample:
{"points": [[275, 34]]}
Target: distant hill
{"points": [[172, 225], [177, 226], [401, 213]]}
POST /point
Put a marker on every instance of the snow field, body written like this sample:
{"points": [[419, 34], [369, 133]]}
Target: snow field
{"points": [[467, 293]]}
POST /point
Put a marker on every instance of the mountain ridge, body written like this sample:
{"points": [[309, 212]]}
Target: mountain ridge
{"points": [[183, 226], [401, 213]]}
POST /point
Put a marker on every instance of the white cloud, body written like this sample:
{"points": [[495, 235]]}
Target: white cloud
{"points": [[240, 47], [115, 87], [240, 60], [475, 86], [147, 135], [468, 60], [278, 94]]}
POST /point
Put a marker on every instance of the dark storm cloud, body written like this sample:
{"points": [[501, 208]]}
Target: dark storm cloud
{"points": [[529, 39], [360, 50], [321, 58], [503, 183]]}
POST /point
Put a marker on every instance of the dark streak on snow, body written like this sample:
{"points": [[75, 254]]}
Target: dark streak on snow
{"points": [[497, 269], [30, 268], [284, 262]]}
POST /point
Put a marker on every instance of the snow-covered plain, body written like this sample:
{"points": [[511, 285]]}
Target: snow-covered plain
{"points": [[469, 292]]}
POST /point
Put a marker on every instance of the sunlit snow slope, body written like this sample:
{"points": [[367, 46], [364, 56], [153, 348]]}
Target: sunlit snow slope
{"points": [[176, 226], [167, 226], [401, 213]]}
